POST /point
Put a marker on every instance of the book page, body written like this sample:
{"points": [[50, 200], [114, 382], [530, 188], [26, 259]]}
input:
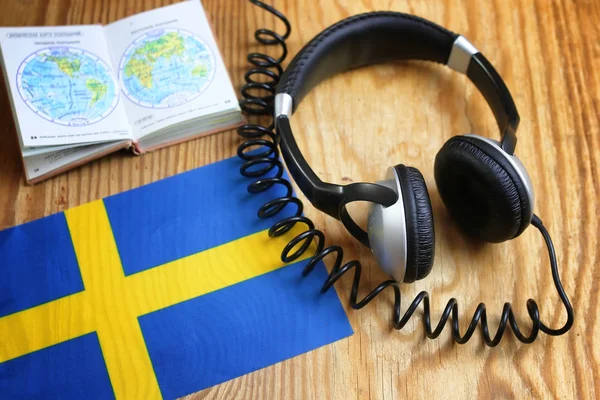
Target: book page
{"points": [[41, 164], [169, 67], [33, 151], [62, 85]]}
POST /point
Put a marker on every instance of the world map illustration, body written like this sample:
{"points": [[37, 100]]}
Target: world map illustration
{"points": [[67, 86], [166, 68]]}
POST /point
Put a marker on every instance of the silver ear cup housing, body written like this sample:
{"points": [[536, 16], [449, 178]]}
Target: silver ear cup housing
{"points": [[386, 228]]}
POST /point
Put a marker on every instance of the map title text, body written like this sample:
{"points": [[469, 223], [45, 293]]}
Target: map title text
{"points": [[35, 35]]}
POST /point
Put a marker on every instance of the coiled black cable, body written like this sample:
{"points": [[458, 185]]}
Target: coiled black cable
{"points": [[261, 156]]}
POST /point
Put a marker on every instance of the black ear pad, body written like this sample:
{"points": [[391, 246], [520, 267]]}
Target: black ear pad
{"points": [[481, 189], [420, 233]]}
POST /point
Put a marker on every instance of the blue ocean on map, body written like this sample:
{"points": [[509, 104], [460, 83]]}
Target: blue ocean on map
{"points": [[165, 68], [67, 86]]}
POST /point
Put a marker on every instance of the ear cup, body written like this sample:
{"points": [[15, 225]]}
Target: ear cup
{"points": [[481, 189], [420, 232]]}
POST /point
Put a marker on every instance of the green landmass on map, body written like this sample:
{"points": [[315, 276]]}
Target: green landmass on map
{"points": [[141, 69], [98, 90], [200, 70], [141, 64], [66, 65], [165, 46]]}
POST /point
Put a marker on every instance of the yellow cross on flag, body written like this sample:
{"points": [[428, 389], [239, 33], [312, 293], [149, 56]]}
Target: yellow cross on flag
{"points": [[157, 292]]}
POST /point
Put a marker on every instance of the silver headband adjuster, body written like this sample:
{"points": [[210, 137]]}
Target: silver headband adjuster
{"points": [[284, 104], [460, 56]]}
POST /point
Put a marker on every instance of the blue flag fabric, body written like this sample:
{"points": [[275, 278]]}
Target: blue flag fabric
{"points": [[157, 292]]}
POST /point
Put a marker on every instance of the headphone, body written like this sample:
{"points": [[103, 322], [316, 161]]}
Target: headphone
{"points": [[481, 181]]}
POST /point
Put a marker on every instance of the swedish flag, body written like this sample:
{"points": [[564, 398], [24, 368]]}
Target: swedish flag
{"points": [[157, 292]]}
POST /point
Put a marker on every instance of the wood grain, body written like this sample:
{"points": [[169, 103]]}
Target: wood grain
{"points": [[352, 128]]}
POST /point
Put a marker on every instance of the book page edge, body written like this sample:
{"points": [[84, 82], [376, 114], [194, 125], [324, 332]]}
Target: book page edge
{"points": [[73, 165]]}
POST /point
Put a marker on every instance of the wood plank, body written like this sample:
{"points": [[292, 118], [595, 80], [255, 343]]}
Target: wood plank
{"points": [[358, 124]]}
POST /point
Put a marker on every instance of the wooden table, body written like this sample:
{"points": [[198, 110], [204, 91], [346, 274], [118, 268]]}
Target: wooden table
{"points": [[358, 124]]}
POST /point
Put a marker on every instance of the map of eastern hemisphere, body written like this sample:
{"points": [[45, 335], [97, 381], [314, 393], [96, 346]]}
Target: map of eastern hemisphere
{"points": [[166, 68], [67, 86]]}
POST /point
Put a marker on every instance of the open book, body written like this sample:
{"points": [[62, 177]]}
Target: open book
{"points": [[80, 92]]}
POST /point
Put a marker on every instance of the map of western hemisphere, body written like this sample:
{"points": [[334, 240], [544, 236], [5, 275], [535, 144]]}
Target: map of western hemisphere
{"points": [[165, 68], [67, 86]]}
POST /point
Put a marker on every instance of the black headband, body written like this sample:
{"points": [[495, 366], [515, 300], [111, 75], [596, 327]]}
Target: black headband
{"points": [[369, 39]]}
